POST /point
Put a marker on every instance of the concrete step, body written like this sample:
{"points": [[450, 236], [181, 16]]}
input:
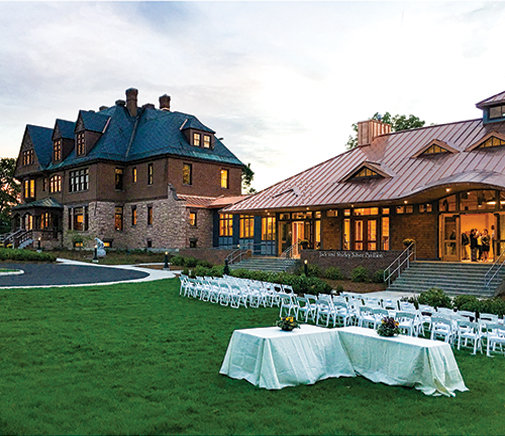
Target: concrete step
{"points": [[273, 264]]}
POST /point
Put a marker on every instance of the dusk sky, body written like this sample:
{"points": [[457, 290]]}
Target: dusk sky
{"points": [[281, 82]]}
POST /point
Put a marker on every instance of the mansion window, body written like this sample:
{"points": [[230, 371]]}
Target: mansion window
{"points": [[118, 218], [44, 184], [118, 181], [29, 188], [150, 174], [134, 175], [57, 150], [187, 174], [45, 220], [55, 184], [81, 144], [192, 219], [134, 215], [246, 226], [225, 179], [78, 218], [78, 180], [149, 215], [226, 224], [196, 139], [28, 220], [268, 228], [206, 141], [28, 157]]}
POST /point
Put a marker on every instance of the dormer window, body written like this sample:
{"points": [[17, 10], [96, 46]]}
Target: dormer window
{"points": [[493, 139], [365, 173], [492, 142], [206, 141], [57, 150], [196, 139], [434, 149], [80, 144], [496, 112]]}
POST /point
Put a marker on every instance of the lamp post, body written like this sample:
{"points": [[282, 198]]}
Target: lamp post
{"points": [[166, 261], [305, 268], [38, 245], [95, 256], [226, 270]]}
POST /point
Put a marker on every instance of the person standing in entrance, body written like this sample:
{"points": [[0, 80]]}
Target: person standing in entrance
{"points": [[485, 246], [465, 242], [479, 245], [473, 244]]}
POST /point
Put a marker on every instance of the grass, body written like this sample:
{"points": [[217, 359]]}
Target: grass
{"points": [[139, 359], [5, 270], [119, 257]]}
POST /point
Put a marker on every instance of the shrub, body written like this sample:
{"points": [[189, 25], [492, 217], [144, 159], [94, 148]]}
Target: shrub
{"points": [[378, 276], [467, 302], [435, 297], [493, 305], [177, 260], [25, 255], [333, 273], [340, 289], [204, 263], [312, 270], [190, 262], [359, 274]]}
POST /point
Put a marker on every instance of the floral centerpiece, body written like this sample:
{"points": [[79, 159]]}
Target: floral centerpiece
{"points": [[388, 327], [287, 323]]}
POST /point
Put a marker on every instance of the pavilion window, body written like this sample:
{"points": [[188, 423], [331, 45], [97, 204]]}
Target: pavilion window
{"points": [[246, 226], [385, 233], [346, 240], [496, 112], [226, 224]]}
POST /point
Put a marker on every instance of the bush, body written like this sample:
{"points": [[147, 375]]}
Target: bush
{"points": [[312, 270], [435, 297], [333, 273], [359, 274], [204, 263], [177, 260], [190, 262], [378, 276], [25, 255], [340, 289], [467, 302], [493, 305]]}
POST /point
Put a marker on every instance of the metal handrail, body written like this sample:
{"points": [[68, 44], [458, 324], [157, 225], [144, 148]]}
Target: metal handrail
{"points": [[498, 264], [288, 252], [12, 236], [234, 255], [408, 254]]}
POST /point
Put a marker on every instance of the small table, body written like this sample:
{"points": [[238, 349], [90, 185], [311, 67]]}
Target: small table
{"points": [[403, 360], [273, 359]]}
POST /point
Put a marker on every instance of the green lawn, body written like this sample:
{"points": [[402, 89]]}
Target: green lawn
{"points": [[139, 359]]}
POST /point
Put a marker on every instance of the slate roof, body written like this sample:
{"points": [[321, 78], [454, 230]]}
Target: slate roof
{"points": [[153, 133], [41, 138], [324, 185], [66, 128], [48, 202]]}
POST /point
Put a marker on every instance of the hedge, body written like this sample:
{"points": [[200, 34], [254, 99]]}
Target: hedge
{"points": [[25, 255]]}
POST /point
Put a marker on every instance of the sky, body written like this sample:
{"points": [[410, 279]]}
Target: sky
{"points": [[281, 82]]}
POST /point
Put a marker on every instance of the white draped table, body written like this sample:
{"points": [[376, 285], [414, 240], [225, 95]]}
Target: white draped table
{"points": [[403, 361], [273, 359]]}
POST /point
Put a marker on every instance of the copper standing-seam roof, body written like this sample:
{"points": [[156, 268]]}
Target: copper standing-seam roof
{"points": [[210, 202], [326, 185], [495, 99]]}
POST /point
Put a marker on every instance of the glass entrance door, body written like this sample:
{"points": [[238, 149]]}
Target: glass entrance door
{"points": [[450, 242], [298, 230]]}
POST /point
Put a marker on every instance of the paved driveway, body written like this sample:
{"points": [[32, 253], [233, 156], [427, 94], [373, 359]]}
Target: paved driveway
{"points": [[73, 273]]}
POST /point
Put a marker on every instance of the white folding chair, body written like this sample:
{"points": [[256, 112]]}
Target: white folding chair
{"points": [[441, 328], [379, 314], [342, 316], [306, 310], [495, 335], [366, 317], [469, 331], [408, 322], [288, 305], [325, 312]]}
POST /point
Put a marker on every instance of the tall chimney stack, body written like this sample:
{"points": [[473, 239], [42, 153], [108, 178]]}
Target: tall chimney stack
{"points": [[165, 102], [371, 129], [131, 101]]}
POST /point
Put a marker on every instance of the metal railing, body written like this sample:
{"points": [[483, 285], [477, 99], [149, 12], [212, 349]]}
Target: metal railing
{"points": [[12, 237], [236, 254], [401, 263], [288, 252], [492, 276]]}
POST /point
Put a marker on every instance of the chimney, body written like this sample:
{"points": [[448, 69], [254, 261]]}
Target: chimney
{"points": [[131, 101], [165, 102], [102, 108], [371, 129]]}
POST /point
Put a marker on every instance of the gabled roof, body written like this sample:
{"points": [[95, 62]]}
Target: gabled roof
{"points": [[481, 141], [96, 122], [372, 166], [492, 101], [66, 128], [435, 142], [192, 123], [324, 185], [41, 138]]}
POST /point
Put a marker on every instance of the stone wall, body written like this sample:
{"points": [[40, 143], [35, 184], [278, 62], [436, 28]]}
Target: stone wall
{"points": [[422, 228], [213, 255], [346, 261]]}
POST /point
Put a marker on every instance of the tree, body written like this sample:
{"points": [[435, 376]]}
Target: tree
{"points": [[398, 123], [247, 178], [9, 191]]}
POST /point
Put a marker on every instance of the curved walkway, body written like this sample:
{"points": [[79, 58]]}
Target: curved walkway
{"points": [[73, 273]]}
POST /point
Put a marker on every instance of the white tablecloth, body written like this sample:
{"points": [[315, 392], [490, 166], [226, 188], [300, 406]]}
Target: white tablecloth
{"points": [[271, 358], [403, 360]]}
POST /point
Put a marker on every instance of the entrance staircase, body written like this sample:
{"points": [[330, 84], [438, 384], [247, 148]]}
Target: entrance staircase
{"points": [[264, 263], [452, 278]]}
